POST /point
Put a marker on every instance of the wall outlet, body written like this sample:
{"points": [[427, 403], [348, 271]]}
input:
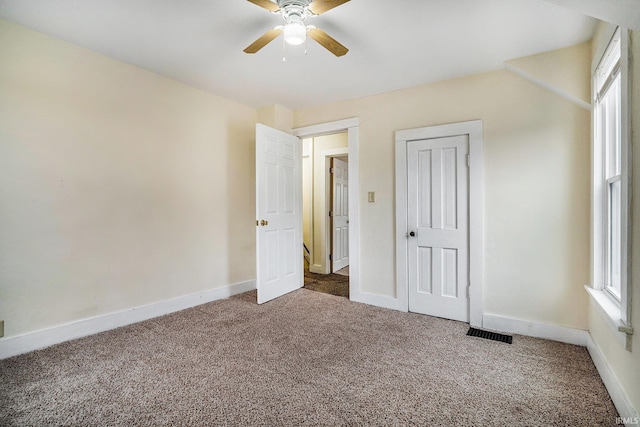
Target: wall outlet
{"points": [[1, 328]]}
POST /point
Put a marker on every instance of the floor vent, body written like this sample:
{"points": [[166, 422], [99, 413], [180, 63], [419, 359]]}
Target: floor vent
{"points": [[473, 332]]}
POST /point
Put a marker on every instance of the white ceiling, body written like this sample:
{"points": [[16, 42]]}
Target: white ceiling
{"points": [[393, 44]]}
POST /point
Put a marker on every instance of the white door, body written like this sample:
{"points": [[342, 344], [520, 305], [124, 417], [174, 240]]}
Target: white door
{"points": [[279, 213], [340, 214], [438, 217]]}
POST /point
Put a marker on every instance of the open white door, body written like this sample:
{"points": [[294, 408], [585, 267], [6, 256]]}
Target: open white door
{"points": [[279, 213], [340, 214]]}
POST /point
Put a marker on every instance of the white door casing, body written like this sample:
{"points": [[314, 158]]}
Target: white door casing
{"points": [[278, 213], [352, 127], [472, 130], [437, 219], [340, 214]]}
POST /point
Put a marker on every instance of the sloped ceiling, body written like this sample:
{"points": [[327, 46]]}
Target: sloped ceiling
{"points": [[393, 44], [625, 13]]}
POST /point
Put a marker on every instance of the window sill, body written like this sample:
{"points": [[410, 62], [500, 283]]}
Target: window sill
{"points": [[610, 312]]}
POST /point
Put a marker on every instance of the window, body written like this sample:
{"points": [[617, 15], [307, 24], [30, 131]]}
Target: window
{"points": [[610, 184], [608, 134]]}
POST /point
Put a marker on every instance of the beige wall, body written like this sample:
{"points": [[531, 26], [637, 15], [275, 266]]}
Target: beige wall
{"points": [[307, 191], [536, 204], [118, 187], [625, 364], [276, 116], [562, 70]]}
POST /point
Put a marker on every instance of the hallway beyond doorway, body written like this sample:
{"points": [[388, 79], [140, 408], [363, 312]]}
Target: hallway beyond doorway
{"points": [[333, 284]]}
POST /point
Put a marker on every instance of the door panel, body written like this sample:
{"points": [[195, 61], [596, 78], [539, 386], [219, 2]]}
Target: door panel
{"points": [[424, 270], [450, 273], [437, 197], [279, 213], [340, 218]]}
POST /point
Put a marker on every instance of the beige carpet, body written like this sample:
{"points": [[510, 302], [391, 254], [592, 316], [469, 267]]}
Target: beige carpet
{"points": [[304, 359]]}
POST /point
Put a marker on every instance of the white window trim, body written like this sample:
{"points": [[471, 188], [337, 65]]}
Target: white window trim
{"points": [[616, 314]]}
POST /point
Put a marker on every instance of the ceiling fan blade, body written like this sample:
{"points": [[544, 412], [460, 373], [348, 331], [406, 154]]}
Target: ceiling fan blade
{"points": [[263, 41], [266, 4], [321, 6], [327, 42]]}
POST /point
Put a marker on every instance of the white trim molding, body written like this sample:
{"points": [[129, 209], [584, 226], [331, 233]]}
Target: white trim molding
{"points": [[618, 396], [377, 300], [326, 128], [352, 127], [612, 316], [476, 208], [535, 329], [19, 344]]}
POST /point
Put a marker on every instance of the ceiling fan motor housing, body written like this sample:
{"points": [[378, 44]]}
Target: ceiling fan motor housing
{"points": [[294, 10]]}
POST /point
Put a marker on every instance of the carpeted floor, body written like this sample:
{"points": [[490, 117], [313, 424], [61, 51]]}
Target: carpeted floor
{"points": [[333, 284], [303, 359]]}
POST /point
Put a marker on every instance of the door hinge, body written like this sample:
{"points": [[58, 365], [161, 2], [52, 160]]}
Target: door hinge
{"points": [[331, 170], [469, 291], [330, 257], [468, 160], [330, 214]]}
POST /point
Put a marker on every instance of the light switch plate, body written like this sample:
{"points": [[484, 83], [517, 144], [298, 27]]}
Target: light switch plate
{"points": [[372, 196], [1, 328]]}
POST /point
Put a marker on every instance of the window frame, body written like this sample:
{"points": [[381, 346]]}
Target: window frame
{"points": [[612, 169], [615, 308]]}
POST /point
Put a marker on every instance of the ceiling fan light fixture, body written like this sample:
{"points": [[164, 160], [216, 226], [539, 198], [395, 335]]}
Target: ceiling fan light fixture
{"points": [[295, 32]]}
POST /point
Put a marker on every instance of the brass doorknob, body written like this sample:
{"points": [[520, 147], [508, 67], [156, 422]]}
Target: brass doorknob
{"points": [[263, 222]]}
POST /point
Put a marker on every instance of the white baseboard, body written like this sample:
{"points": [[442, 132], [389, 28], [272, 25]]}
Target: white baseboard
{"points": [[375, 299], [619, 397], [533, 329], [19, 344]]}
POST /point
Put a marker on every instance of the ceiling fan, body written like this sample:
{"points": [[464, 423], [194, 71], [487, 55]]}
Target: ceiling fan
{"points": [[294, 13]]}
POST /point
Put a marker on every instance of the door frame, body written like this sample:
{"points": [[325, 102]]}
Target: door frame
{"points": [[473, 129], [328, 160], [352, 127], [327, 155]]}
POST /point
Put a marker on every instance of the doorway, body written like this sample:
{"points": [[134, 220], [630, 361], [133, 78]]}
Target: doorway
{"points": [[320, 255], [339, 215], [439, 174], [325, 193], [438, 223]]}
